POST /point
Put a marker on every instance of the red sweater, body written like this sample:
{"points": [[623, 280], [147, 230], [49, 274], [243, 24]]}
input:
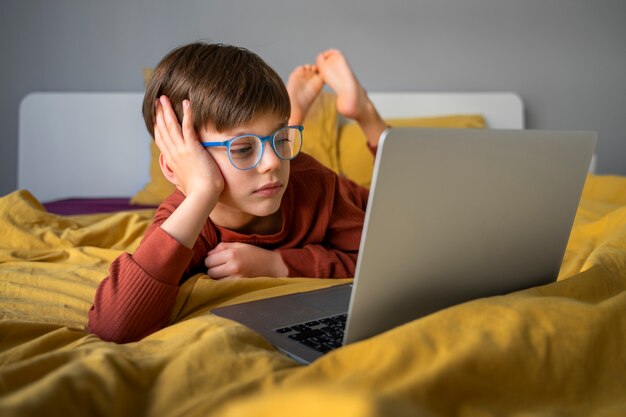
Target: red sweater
{"points": [[322, 222]]}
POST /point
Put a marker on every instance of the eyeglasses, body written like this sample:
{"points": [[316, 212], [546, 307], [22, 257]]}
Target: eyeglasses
{"points": [[245, 152]]}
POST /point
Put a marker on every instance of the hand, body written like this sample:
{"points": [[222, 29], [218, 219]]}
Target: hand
{"points": [[190, 167], [236, 260]]}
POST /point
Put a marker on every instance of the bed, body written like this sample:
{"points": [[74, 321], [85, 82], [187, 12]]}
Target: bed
{"points": [[558, 349]]}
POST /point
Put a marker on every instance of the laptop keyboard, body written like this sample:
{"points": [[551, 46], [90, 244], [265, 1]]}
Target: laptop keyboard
{"points": [[322, 335]]}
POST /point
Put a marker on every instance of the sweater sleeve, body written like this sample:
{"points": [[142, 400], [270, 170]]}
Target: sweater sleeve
{"points": [[138, 295]]}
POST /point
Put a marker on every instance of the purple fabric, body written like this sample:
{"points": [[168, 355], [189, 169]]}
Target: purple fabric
{"points": [[91, 205]]}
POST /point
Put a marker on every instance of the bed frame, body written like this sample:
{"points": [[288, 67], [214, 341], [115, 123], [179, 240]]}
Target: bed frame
{"points": [[96, 144]]}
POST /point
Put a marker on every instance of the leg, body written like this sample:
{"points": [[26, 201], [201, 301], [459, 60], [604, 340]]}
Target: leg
{"points": [[352, 99], [303, 86]]}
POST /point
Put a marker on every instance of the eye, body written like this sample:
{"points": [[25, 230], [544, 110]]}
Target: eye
{"points": [[282, 141], [282, 137], [244, 147], [241, 151]]}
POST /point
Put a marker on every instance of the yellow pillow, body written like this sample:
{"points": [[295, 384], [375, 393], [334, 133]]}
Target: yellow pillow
{"points": [[147, 74], [356, 160], [320, 131]]}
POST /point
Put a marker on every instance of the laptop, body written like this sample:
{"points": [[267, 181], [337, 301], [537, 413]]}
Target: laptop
{"points": [[453, 215]]}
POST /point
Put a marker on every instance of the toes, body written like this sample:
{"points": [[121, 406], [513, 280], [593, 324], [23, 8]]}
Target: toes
{"points": [[326, 55], [329, 52], [305, 68], [296, 70], [321, 57]]}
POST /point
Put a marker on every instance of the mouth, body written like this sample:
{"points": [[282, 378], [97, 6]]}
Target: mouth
{"points": [[269, 189]]}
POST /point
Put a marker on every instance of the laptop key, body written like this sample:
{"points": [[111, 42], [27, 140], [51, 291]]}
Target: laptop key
{"points": [[322, 335], [311, 344], [324, 348], [306, 335], [284, 330]]}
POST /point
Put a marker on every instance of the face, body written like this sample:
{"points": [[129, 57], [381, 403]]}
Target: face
{"points": [[253, 193]]}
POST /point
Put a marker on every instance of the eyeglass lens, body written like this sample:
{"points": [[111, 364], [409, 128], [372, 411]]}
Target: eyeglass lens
{"points": [[245, 151]]}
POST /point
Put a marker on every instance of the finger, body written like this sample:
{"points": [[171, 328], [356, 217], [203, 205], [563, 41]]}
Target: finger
{"points": [[222, 246], [162, 145], [171, 121], [165, 154], [158, 139], [188, 129], [160, 132], [218, 272], [216, 259]]}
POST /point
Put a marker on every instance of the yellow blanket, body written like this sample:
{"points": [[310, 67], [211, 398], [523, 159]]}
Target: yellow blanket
{"points": [[559, 349]]}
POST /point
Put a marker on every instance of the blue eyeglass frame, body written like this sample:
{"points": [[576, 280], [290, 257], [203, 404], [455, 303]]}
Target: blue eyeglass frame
{"points": [[263, 139]]}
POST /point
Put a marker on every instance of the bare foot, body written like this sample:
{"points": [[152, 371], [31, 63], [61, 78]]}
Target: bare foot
{"points": [[335, 71], [304, 85], [352, 99]]}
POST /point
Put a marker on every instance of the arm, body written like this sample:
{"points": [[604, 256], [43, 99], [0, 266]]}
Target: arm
{"points": [[137, 297], [186, 164], [237, 260]]}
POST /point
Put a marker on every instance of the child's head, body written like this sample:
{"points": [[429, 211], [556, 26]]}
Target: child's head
{"points": [[232, 92], [227, 86]]}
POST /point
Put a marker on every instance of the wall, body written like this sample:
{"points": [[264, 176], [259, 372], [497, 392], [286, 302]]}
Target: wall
{"points": [[566, 58]]}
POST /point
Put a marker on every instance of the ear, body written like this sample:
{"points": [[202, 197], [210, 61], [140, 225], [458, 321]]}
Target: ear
{"points": [[166, 170]]}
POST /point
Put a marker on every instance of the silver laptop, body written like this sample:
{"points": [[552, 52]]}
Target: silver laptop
{"points": [[453, 215]]}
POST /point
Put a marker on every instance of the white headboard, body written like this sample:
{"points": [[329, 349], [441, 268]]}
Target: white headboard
{"points": [[82, 145], [96, 144], [500, 110]]}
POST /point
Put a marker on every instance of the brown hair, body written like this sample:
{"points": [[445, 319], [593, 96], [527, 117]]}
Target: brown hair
{"points": [[227, 86]]}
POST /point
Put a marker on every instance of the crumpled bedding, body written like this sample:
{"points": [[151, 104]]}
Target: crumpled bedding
{"points": [[559, 349]]}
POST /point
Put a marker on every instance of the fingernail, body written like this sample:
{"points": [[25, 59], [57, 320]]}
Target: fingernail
{"points": [[185, 104]]}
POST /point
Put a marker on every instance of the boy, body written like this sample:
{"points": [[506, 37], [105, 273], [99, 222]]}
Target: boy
{"points": [[246, 205]]}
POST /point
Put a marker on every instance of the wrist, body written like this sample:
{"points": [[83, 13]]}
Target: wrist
{"points": [[203, 203], [185, 223], [208, 189], [280, 267]]}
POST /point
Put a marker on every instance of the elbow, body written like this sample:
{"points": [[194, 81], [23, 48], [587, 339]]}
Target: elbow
{"points": [[120, 329]]}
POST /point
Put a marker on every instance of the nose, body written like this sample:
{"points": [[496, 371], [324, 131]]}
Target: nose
{"points": [[269, 161]]}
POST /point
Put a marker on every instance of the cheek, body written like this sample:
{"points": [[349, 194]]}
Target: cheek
{"points": [[223, 163], [235, 180], [285, 169], [225, 167], [219, 155]]}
